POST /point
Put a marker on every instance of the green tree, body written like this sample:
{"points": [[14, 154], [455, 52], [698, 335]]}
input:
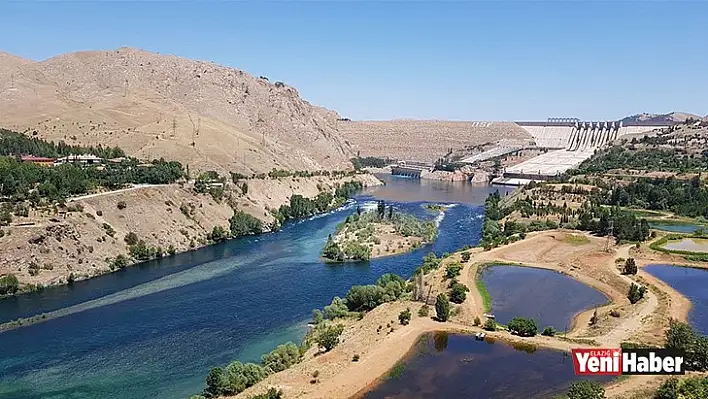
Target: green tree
{"points": [[442, 307], [317, 316], [131, 238], [465, 256], [217, 383], [452, 270], [586, 389], [630, 266], [365, 297], [243, 224], [636, 293], [282, 357], [9, 284], [523, 327], [327, 337], [332, 251], [338, 308], [458, 293], [490, 325], [218, 234], [404, 317]]}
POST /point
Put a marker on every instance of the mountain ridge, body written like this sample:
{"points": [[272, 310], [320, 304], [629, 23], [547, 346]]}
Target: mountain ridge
{"points": [[153, 105]]}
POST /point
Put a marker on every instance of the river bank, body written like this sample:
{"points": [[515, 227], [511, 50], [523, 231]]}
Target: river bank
{"points": [[644, 322], [45, 249]]}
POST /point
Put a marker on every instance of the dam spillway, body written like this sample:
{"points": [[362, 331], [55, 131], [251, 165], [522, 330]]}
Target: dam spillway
{"points": [[568, 141]]}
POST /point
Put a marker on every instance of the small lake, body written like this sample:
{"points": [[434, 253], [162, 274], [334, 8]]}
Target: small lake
{"points": [[688, 244], [458, 366], [549, 297], [692, 284], [676, 227]]}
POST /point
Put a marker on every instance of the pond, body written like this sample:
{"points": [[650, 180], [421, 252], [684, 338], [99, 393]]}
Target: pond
{"points": [[692, 284], [155, 330], [675, 227], [688, 244], [549, 297], [461, 367]]}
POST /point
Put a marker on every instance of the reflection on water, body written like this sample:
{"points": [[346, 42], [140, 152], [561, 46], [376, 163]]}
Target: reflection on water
{"points": [[688, 244], [466, 368], [399, 188], [675, 228], [154, 330], [548, 297], [692, 284]]}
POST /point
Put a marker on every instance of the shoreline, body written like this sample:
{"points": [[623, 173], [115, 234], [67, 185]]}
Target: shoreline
{"points": [[354, 379], [44, 316]]}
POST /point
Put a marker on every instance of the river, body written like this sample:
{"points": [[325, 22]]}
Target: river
{"points": [[155, 330]]}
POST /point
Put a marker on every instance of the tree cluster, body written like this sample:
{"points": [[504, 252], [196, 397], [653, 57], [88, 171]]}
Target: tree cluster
{"points": [[523, 327], [237, 376], [683, 337]]}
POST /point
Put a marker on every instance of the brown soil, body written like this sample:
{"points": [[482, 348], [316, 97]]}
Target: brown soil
{"points": [[78, 243], [153, 105], [643, 322]]}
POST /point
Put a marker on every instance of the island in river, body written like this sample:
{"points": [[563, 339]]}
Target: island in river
{"points": [[381, 232]]}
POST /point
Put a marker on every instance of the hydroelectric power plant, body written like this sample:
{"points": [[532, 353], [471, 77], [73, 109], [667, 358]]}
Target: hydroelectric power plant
{"points": [[569, 142]]}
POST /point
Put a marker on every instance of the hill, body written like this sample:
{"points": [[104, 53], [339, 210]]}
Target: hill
{"points": [[661, 118], [423, 140], [204, 115]]}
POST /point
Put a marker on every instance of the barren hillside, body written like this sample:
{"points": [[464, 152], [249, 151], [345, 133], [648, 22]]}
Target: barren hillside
{"points": [[152, 105], [423, 140]]}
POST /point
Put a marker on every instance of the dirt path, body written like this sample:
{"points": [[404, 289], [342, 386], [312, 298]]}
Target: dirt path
{"points": [[588, 262], [122, 190]]}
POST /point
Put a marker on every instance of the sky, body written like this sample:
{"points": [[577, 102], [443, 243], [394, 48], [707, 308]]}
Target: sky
{"points": [[494, 60]]}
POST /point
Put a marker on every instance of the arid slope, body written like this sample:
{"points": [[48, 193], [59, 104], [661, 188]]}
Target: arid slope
{"points": [[155, 105]]}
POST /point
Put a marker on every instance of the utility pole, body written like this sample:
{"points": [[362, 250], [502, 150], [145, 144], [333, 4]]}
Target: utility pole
{"points": [[174, 126]]}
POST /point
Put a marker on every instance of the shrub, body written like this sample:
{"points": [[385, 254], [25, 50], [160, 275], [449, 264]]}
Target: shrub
{"points": [[465, 256], [243, 224], [523, 327], [405, 317], [586, 390], [271, 394], [171, 250], [328, 337], [365, 297], [424, 311], [442, 307], [636, 293], [99, 213], [630, 266], [477, 321], [118, 262], [452, 270], [458, 293], [109, 229], [218, 234], [549, 331], [217, 383], [317, 316], [490, 325], [282, 357], [337, 308], [615, 313], [131, 238], [355, 358], [121, 205], [9, 284]]}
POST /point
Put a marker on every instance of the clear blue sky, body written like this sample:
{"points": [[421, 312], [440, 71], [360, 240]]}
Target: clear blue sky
{"points": [[371, 60]]}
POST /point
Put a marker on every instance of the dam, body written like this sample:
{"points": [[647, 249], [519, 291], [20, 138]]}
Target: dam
{"points": [[568, 141]]}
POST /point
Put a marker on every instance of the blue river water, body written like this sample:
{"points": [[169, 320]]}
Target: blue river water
{"points": [[692, 284], [548, 297], [155, 330]]}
